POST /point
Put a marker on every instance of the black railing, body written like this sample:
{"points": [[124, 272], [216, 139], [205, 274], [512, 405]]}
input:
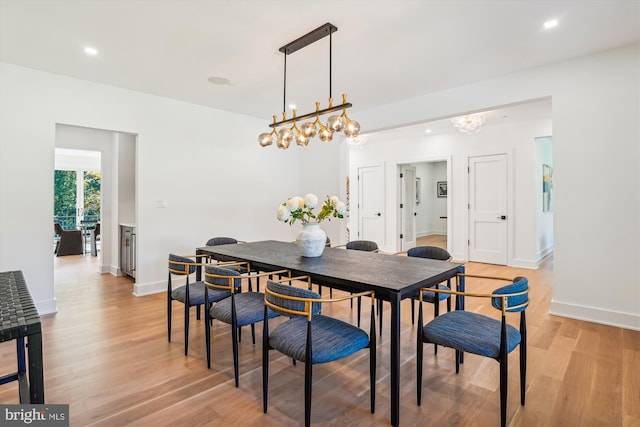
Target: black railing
{"points": [[70, 222]]}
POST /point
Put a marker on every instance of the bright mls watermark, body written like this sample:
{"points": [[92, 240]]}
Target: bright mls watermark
{"points": [[35, 415]]}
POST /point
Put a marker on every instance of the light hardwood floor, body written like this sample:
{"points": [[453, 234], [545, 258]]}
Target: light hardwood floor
{"points": [[107, 356]]}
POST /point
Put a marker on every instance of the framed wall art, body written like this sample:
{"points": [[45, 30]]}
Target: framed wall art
{"points": [[441, 188]]}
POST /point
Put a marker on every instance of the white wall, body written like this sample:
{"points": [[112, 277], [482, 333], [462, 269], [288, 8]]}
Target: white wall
{"points": [[205, 163], [596, 105], [516, 140]]}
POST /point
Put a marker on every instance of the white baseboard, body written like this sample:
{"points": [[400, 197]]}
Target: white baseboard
{"points": [[430, 233], [524, 263], [596, 315], [544, 253], [142, 289], [46, 306]]}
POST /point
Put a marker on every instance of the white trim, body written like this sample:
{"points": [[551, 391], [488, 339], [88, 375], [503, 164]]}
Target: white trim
{"points": [[142, 289], [524, 263], [544, 253], [596, 315], [46, 306]]}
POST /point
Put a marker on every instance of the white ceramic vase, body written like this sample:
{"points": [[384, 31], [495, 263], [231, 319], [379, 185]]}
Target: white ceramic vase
{"points": [[311, 239]]}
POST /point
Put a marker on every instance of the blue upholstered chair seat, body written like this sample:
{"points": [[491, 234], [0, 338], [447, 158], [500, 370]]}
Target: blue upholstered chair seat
{"points": [[470, 333], [333, 339], [431, 296], [249, 309], [196, 294]]}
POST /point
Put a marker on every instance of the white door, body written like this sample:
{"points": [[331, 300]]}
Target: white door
{"points": [[371, 204], [488, 209], [407, 207]]}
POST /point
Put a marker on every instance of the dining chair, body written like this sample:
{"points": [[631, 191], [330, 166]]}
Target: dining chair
{"points": [[95, 236], [469, 332], [189, 294], [311, 337], [69, 241], [240, 309], [366, 246], [215, 241], [432, 252]]}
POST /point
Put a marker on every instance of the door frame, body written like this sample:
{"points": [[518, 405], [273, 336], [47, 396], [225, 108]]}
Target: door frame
{"points": [[509, 154], [401, 224], [414, 161]]}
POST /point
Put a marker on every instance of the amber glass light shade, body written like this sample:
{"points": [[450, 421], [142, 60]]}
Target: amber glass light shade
{"points": [[352, 128], [265, 139]]}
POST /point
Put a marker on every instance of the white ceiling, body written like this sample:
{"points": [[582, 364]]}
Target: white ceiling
{"points": [[384, 50]]}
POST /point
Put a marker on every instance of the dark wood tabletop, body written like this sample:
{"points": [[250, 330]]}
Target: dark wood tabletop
{"points": [[339, 268]]}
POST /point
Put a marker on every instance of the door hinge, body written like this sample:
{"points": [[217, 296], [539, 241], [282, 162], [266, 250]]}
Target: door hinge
{"points": [[401, 206], [468, 242], [402, 236], [468, 206], [468, 169], [401, 176]]}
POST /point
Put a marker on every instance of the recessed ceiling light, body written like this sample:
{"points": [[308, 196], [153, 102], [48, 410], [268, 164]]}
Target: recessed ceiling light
{"points": [[292, 106], [220, 81], [551, 23], [428, 131], [91, 51]]}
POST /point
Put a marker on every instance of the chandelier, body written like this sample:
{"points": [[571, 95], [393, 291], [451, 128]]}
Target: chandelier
{"points": [[285, 131], [470, 123]]}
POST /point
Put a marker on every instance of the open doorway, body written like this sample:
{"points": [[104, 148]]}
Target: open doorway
{"points": [[117, 160], [77, 196], [423, 205]]}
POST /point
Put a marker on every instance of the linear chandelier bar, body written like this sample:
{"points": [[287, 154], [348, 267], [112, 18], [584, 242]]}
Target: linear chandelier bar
{"points": [[314, 114]]}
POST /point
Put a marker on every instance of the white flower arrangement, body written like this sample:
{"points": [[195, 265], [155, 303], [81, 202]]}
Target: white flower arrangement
{"points": [[301, 208]]}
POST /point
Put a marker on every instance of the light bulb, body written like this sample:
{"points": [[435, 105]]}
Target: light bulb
{"points": [[265, 139], [309, 129], [284, 144], [302, 140], [352, 128], [285, 134], [335, 123], [325, 134]]}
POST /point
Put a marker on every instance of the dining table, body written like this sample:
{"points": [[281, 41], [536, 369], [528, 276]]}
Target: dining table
{"points": [[392, 278]]}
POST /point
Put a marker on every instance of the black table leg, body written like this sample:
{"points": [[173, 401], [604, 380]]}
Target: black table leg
{"points": [[460, 299], [394, 300], [36, 374]]}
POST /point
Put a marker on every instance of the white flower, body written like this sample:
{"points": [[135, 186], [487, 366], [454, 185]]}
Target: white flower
{"points": [[311, 200], [283, 213], [301, 209], [295, 203]]}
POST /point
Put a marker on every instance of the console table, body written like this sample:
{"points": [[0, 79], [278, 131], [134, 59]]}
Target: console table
{"points": [[19, 319]]}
